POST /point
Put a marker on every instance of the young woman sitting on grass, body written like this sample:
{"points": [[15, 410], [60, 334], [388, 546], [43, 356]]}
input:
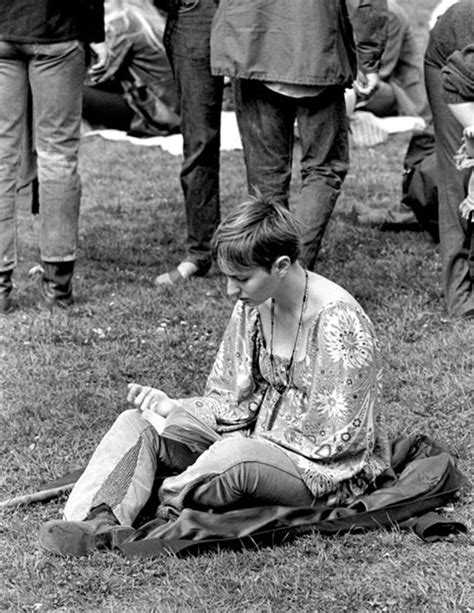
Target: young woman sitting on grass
{"points": [[292, 397]]}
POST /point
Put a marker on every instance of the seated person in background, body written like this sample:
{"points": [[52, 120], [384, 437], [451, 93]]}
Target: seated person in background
{"points": [[402, 92], [293, 398], [134, 90], [418, 205], [402, 89]]}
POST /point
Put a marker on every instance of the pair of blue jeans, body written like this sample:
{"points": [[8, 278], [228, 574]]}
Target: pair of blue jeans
{"points": [[187, 40], [456, 234], [266, 122], [233, 472], [51, 76]]}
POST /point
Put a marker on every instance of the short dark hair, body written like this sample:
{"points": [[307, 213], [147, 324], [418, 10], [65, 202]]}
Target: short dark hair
{"points": [[256, 233]]}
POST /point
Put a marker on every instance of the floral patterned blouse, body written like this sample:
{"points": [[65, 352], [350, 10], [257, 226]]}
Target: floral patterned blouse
{"points": [[327, 419]]}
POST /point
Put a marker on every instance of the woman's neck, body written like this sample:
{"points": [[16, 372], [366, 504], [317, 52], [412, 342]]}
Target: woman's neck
{"points": [[289, 295]]}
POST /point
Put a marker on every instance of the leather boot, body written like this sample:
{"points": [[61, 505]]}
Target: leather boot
{"points": [[81, 538], [56, 284], [6, 285]]}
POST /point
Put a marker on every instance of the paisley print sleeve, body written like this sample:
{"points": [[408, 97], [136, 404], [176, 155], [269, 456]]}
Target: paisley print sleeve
{"points": [[234, 389]]}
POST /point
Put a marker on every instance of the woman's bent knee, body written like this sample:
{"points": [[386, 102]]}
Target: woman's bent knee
{"points": [[130, 420]]}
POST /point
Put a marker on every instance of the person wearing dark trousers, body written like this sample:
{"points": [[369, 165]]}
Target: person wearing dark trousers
{"points": [[43, 54], [449, 74], [291, 62], [187, 41]]}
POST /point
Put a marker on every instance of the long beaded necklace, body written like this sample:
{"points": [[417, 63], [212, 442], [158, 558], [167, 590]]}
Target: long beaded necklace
{"points": [[289, 370]]}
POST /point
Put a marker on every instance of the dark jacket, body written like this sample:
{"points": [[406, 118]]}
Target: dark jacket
{"points": [[307, 42], [51, 21], [451, 49]]}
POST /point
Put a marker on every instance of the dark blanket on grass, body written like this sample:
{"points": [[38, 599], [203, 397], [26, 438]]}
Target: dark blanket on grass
{"points": [[423, 477]]}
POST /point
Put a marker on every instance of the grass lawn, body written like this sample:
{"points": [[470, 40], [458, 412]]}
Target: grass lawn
{"points": [[64, 376]]}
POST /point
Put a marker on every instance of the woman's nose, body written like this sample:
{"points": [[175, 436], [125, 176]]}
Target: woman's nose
{"points": [[232, 288]]}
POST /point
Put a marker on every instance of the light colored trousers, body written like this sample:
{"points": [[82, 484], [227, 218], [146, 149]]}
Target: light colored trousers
{"points": [[233, 472], [53, 75]]}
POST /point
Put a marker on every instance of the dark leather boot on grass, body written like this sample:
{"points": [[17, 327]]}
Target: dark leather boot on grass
{"points": [[81, 538], [55, 284], [6, 285]]}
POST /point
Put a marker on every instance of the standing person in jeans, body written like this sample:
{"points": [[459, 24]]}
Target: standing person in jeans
{"points": [[449, 74], [292, 61], [187, 40], [42, 51]]}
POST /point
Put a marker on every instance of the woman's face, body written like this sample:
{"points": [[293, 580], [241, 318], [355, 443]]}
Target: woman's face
{"points": [[251, 285]]}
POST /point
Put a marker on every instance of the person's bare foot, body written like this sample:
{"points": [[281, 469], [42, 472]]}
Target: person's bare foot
{"points": [[185, 270]]}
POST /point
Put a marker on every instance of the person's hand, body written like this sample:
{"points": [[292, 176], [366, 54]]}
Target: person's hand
{"points": [[469, 140], [366, 85], [469, 132], [143, 397], [100, 51]]}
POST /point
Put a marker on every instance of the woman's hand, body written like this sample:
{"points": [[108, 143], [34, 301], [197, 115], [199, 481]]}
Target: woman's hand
{"points": [[143, 397]]}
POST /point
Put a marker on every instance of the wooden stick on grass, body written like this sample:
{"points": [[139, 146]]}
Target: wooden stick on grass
{"points": [[53, 489], [42, 496]]}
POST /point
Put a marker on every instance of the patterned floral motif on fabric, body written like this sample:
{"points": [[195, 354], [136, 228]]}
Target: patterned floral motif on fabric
{"points": [[235, 387], [347, 341], [328, 419]]}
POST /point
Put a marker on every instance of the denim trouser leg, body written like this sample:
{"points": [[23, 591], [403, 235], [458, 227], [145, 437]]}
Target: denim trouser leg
{"points": [[200, 95], [232, 472], [122, 470], [237, 472], [56, 74], [266, 123], [323, 131], [455, 232], [266, 120], [13, 104]]}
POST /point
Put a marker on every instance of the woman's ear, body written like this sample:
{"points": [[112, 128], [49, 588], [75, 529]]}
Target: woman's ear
{"points": [[281, 265]]}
